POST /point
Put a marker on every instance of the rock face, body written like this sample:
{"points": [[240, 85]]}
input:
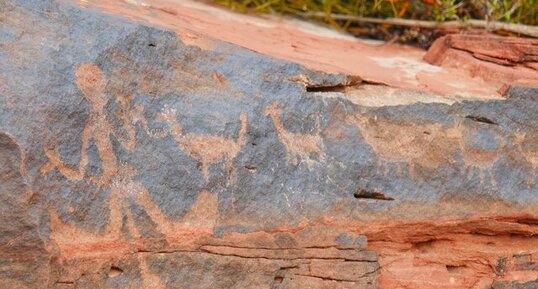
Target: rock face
{"points": [[498, 60], [133, 160]]}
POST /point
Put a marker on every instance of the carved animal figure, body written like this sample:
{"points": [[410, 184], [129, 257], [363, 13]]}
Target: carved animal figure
{"points": [[481, 144], [408, 145], [527, 144], [119, 177], [299, 147], [207, 149]]}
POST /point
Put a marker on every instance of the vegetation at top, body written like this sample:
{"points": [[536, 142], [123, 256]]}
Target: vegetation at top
{"points": [[509, 11]]}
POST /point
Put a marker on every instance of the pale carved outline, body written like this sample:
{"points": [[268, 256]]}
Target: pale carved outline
{"points": [[407, 145], [481, 160], [299, 147], [119, 177], [527, 145], [206, 149]]}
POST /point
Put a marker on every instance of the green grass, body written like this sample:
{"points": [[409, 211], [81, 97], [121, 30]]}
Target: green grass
{"points": [[511, 11]]}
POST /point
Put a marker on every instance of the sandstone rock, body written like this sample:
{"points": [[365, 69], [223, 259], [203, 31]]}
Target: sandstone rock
{"points": [[316, 47], [23, 258], [520, 90], [132, 159], [498, 60]]}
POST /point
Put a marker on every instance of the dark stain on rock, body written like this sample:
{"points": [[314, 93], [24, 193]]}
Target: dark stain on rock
{"points": [[341, 87], [500, 267], [481, 119], [371, 194]]}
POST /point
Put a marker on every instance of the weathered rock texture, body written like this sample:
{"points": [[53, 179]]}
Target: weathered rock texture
{"points": [[498, 60], [133, 160], [315, 47]]}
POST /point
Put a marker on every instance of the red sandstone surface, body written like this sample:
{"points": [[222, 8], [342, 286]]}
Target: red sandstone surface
{"points": [[449, 253], [317, 48], [452, 252], [497, 60]]}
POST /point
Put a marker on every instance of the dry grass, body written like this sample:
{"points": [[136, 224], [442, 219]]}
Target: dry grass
{"points": [[510, 11]]}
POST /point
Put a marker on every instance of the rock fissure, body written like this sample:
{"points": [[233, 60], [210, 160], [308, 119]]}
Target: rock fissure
{"points": [[481, 119], [160, 157], [329, 279], [371, 194]]}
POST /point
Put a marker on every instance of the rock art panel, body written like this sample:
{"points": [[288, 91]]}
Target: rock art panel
{"points": [[409, 145], [481, 147], [150, 163], [207, 149], [91, 81], [299, 147], [527, 144]]}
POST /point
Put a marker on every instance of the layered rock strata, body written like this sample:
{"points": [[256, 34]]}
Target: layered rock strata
{"points": [[131, 159]]}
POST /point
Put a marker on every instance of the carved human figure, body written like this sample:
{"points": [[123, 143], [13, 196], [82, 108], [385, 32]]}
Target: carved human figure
{"points": [[119, 177], [207, 149], [299, 147], [91, 82]]}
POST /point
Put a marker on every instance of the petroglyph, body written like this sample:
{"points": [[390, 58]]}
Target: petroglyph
{"points": [[117, 176], [527, 144], [431, 145], [124, 116], [91, 81], [299, 147], [408, 145], [149, 280], [200, 220], [137, 116], [207, 149], [480, 157]]}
